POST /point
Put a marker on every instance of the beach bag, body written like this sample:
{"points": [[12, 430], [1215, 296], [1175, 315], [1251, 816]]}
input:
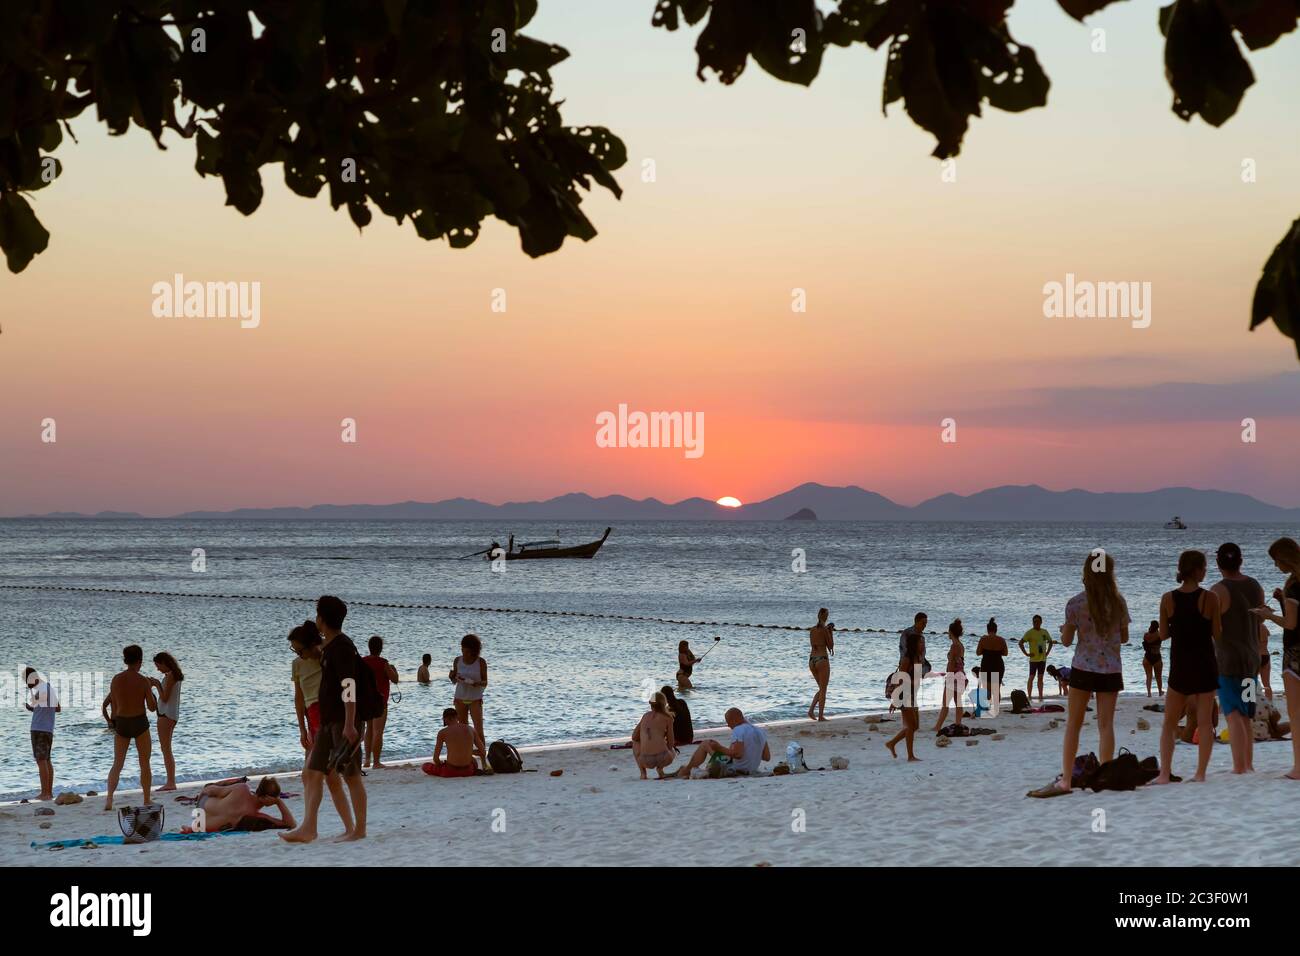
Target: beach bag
{"points": [[1020, 702], [794, 758], [504, 758], [141, 824], [1125, 772]]}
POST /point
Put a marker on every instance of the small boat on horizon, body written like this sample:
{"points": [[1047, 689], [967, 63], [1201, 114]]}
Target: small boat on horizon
{"points": [[550, 548], [1176, 524]]}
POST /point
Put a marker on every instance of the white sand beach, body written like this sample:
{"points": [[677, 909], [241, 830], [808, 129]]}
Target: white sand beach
{"points": [[962, 805]]}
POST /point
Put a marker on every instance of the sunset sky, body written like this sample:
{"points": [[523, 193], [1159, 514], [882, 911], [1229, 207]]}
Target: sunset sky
{"points": [[924, 301]]}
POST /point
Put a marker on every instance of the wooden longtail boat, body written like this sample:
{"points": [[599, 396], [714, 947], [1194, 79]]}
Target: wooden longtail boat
{"points": [[548, 549]]}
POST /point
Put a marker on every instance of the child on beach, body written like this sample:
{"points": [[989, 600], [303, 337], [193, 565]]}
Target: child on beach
{"points": [[169, 710], [460, 742], [954, 682], [653, 745], [469, 674], [906, 684]]}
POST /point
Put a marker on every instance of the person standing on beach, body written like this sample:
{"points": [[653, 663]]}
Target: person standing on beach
{"points": [[907, 683], [1036, 645], [337, 748], [469, 674], [918, 627], [1237, 653], [992, 650], [43, 702], [306, 671], [1189, 618], [130, 696], [1098, 616], [686, 662], [1153, 663], [169, 711], [1286, 555], [385, 675], [954, 681], [822, 638]]}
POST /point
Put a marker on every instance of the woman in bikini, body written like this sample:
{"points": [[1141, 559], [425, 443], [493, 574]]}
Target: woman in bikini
{"points": [[1285, 553], [169, 710], [686, 662], [469, 674], [1152, 660], [822, 638], [653, 743], [954, 682], [1189, 618]]}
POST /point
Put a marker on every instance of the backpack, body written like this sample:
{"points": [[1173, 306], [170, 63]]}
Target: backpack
{"points": [[370, 703], [504, 758], [1020, 702], [1084, 770]]}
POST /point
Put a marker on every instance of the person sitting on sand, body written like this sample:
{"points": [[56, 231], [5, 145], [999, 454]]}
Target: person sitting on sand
{"points": [[1268, 723], [1036, 645], [686, 662], [1098, 617], [235, 807], [130, 695], [459, 739], [683, 729], [954, 682], [822, 639], [422, 675], [748, 749], [906, 685], [653, 745]]}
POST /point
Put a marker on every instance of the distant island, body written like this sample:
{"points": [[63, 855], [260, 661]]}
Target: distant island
{"points": [[809, 501]]}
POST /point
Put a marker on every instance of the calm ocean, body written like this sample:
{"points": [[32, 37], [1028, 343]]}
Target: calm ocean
{"points": [[551, 679]]}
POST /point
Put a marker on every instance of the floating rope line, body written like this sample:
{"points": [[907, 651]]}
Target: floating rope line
{"points": [[449, 607]]}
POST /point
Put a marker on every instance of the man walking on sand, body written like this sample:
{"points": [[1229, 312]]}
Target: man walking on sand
{"points": [[1036, 645], [130, 696], [43, 702], [337, 748]]}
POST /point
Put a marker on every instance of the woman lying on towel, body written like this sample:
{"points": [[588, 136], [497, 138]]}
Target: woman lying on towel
{"points": [[236, 807]]}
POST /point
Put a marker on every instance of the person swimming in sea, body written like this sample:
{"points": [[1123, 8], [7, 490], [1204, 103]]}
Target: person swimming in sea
{"points": [[821, 637]]}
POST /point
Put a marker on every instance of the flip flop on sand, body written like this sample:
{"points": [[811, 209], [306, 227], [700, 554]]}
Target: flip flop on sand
{"points": [[1053, 789]]}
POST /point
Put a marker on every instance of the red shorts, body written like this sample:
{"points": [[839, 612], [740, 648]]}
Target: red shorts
{"points": [[447, 770], [313, 719]]}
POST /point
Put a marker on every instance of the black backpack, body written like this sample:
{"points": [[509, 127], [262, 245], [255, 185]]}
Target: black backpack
{"points": [[1125, 772], [1020, 702], [504, 758]]}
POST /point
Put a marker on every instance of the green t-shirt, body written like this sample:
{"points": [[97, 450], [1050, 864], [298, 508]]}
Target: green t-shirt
{"points": [[1038, 640]]}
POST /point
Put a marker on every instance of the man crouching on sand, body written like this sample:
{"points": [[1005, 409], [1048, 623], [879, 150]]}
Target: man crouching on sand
{"points": [[337, 748], [747, 750]]}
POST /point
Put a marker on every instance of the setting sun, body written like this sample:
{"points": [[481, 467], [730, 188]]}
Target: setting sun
{"points": [[728, 502]]}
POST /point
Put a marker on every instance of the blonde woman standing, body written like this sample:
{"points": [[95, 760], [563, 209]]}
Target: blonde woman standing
{"points": [[1098, 618], [1286, 555]]}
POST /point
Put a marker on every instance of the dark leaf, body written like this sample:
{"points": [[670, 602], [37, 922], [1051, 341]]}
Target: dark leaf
{"points": [[1277, 294], [1203, 63], [22, 237]]}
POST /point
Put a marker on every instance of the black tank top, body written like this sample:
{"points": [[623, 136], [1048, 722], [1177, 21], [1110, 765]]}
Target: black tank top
{"points": [[1238, 647]]}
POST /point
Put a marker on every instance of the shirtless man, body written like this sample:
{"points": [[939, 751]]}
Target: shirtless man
{"points": [[459, 739], [235, 807], [422, 675], [130, 694], [822, 638]]}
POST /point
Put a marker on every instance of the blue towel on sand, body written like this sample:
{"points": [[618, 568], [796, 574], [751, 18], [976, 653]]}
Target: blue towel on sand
{"points": [[118, 840]]}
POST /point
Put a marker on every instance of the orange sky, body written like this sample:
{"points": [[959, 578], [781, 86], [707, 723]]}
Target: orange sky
{"points": [[924, 302]]}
